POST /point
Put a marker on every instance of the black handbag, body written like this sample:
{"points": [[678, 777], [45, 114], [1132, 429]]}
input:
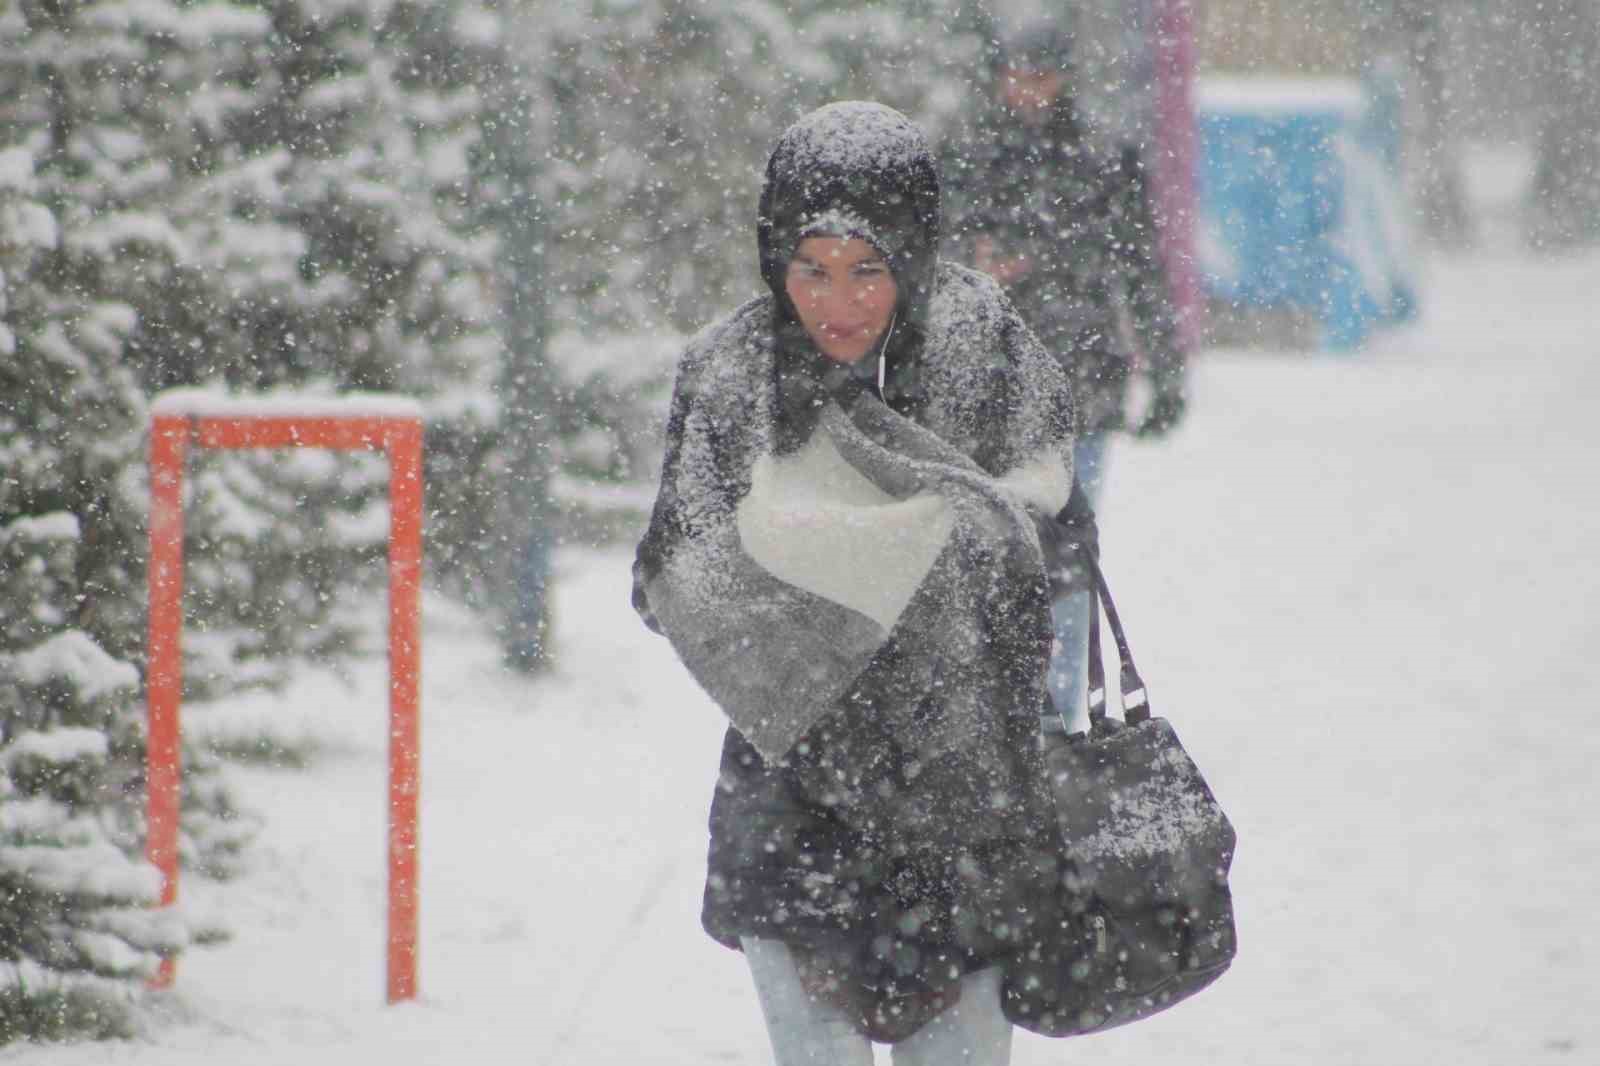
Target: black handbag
{"points": [[1147, 917]]}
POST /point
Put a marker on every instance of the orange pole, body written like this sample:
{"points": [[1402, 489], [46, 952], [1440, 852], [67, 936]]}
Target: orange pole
{"points": [[403, 442], [164, 671], [294, 431], [401, 438]]}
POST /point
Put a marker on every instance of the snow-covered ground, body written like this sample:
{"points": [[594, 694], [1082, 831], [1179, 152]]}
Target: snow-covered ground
{"points": [[1365, 588]]}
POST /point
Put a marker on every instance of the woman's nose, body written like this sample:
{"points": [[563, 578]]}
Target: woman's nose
{"points": [[837, 297]]}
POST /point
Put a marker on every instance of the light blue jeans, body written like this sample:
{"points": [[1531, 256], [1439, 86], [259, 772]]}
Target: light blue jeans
{"points": [[1070, 614], [812, 1032]]}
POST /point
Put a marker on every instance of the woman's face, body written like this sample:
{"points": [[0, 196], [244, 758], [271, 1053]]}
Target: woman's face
{"points": [[844, 293]]}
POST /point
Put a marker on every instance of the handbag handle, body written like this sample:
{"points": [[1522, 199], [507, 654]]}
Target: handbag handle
{"points": [[1135, 698]]}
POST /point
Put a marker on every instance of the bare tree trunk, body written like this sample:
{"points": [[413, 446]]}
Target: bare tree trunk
{"points": [[526, 518], [1444, 207], [1564, 201], [1417, 34]]}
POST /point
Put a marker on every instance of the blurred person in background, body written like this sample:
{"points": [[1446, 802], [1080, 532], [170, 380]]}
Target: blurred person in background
{"points": [[1066, 226]]}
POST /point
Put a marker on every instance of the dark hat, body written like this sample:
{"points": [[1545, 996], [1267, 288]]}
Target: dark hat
{"points": [[853, 169]]}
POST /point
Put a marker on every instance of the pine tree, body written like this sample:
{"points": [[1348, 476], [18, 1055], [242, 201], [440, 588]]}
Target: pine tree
{"points": [[75, 922], [94, 103], [283, 195], [75, 914]]}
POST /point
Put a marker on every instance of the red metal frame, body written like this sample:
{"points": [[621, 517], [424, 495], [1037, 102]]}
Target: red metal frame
{"points": [[400, 437]]}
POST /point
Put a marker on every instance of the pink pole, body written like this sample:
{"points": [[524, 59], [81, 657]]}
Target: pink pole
{"points": [[1174, 170]]}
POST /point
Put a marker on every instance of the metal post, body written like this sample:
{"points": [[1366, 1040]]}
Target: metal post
{"points": [[207, 422], [164, 680], [1174, 170], [403, 443]]}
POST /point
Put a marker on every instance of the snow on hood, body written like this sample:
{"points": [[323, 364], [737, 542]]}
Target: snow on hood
{"points": [[853, 169]]}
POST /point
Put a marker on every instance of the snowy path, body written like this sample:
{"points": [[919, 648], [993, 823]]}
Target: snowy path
{"points": [[1367, 590]]}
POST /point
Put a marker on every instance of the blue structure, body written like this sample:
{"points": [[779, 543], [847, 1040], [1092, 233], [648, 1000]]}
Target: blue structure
{"points": [[1301, 203]]}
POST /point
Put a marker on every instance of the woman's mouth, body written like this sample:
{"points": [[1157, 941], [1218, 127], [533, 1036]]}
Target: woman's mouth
{"points": [[843, 333]]}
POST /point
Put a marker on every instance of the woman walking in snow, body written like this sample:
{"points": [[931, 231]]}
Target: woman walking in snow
{"points": [[843, 553]]}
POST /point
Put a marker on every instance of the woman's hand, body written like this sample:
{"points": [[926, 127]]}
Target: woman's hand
{"points": [[1165, 412]]}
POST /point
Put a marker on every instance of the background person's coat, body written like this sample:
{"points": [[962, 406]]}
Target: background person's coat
{"points": [[1083, 217], [880, 805]]}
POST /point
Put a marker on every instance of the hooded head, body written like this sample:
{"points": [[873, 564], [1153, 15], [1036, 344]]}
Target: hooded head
{"points": [[853, 169], [1032, 75], [1040, 44]]}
